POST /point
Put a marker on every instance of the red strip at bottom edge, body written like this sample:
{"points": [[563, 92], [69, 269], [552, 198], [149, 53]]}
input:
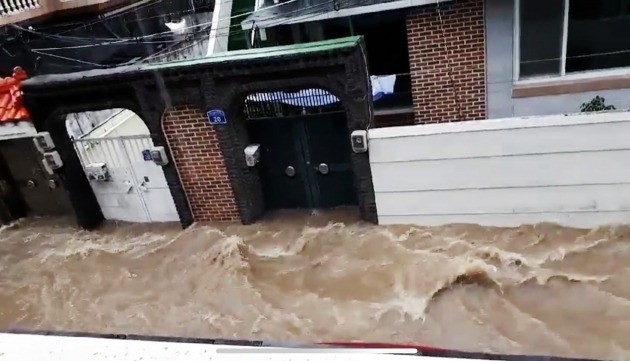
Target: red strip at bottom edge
{"points": [[381, 345]]}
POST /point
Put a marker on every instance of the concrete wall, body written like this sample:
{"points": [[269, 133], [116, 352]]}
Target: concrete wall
{"points": [[499, 18], [572, 170]]}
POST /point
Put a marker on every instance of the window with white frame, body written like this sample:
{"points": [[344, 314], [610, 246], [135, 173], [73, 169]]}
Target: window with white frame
{"points": [[560, 37]]}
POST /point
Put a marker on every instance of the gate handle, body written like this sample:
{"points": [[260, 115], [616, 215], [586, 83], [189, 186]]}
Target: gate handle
{"points": [[290, 171], [322, 168]]}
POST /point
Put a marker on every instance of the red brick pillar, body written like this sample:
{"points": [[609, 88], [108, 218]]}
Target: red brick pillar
{"points": [[447, 61], [199, 161]]}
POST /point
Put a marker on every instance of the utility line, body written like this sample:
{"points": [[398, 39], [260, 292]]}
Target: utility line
{"points": [[133, 39], [136, 40], [278, 22]]}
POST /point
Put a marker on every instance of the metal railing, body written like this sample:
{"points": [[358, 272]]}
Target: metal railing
{"points": [[12, 7], [116, 152], [16, 11], [277, 104], [285, 104]]}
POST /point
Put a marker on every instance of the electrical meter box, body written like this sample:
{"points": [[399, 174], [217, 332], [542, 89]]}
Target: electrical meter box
{"points": [[359, 141], [97, 172], [158, 154], [52, 161], [252, 154], [43, 142]]}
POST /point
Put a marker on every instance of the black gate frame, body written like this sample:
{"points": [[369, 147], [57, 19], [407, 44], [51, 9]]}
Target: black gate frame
{"points": [[150, 90]]}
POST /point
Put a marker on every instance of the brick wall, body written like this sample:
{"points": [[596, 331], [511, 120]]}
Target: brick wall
{"points": [[393, 120], [195, 148], [459, 50]]}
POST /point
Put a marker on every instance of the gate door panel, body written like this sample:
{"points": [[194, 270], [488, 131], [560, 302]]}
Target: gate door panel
{"points": [[282, 170], [329, 153], [150, 180], [136, 190], [304, 161]]}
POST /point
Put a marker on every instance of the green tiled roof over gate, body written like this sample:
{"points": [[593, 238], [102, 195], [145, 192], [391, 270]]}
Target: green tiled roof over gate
{"points": [[276, 52], [265, 53]]}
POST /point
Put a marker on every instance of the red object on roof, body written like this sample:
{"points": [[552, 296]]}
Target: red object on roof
{"points": [[11, 107]]}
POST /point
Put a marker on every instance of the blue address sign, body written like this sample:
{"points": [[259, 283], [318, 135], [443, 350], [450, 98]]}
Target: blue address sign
{"points": [[216, 117]]}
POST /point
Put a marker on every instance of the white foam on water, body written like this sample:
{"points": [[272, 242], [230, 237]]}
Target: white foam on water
{"points": [[322, 277]]}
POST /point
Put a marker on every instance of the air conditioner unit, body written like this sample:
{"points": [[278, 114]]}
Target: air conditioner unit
{"points": [[52, 160], [43, 142]]}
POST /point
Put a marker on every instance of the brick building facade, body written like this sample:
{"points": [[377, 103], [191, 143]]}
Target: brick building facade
{"points": [[447, 61], [196, 152]]}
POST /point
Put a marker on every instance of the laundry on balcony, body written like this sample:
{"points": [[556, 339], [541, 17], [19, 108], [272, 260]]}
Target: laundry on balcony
{"points": [[381, 85]]}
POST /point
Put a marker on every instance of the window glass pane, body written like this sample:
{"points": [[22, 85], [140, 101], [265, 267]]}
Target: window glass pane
{"points": [[598, 35], [541, 37]]}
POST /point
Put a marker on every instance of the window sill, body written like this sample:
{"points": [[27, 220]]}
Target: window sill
{"points": [[570, 85]]}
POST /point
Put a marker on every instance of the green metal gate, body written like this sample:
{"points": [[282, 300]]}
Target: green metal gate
{"points": [[305, 160]]}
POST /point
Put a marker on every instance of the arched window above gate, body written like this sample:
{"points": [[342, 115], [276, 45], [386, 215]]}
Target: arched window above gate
{"points": [[275, 104]]}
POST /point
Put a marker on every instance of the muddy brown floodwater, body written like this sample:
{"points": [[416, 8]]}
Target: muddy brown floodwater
{"points": [[297, 277]]}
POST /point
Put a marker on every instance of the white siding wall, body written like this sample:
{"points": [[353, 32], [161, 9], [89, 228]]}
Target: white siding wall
{"points": [[573, 170]]}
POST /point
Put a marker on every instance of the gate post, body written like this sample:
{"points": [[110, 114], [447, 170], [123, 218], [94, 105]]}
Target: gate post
{"points": [[152, 109], [233, 139]]}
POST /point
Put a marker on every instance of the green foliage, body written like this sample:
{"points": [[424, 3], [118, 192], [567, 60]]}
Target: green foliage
{"points": [[597, 104]]}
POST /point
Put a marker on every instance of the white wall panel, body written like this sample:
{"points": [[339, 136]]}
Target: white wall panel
{"points": [[506, 171], [573, 170]]}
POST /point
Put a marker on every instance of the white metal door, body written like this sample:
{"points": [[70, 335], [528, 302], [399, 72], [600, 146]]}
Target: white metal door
{"points": [[137, 190]]}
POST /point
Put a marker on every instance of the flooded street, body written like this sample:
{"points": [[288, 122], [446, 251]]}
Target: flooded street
{"points": [[327, 277]]}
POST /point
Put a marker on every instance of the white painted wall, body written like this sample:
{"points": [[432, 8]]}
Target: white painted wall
{"points": [[571, 170], [123, 123], [16, 130], [221, 27], [78, 124]]}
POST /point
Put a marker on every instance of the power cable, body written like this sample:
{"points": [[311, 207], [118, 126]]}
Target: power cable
{"points": [[278, 22], [69, 59], [105, 44], [130, 10], [136, 40], [449, 61], [169, 32], [282, 21], [61, 37]]}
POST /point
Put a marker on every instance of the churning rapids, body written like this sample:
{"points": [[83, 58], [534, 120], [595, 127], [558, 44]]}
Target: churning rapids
{"points": [[538, 289]]}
